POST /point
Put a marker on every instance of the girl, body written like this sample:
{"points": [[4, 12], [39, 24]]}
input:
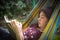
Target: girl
{"points": [[35, 30]]}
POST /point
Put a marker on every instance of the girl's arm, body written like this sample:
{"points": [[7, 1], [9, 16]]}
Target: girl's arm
{"points": [[17, 28]]}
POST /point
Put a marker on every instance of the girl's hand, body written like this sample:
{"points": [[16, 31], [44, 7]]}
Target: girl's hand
{"points": [[16, 26]]}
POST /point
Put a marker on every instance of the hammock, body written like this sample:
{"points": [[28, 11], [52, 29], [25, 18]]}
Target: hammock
{"points": [[55, 26], [35, 10], [47, 35]]}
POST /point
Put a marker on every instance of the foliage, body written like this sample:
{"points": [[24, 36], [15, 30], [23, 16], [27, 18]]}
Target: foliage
{"points": [[13, 8]]}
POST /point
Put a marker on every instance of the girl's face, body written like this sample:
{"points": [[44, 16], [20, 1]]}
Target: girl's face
{"points": [[42, 20]]}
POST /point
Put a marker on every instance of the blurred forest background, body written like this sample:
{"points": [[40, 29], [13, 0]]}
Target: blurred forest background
{"points": [[15, 9]]}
